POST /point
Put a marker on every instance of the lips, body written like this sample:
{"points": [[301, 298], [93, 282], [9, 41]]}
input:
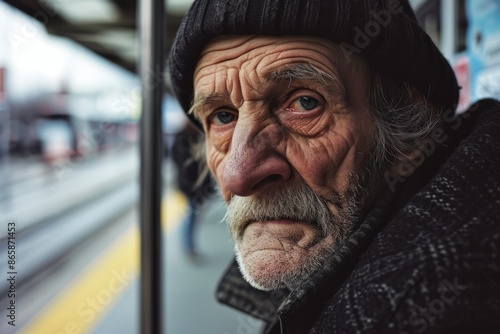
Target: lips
{"points": [[280, 221], [244, 225], [292, 203]]}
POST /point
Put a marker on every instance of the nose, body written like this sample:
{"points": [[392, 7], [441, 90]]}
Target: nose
{"points": [[254, 164]]}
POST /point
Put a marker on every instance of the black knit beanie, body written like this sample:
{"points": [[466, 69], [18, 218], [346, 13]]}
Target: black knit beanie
{"points": [[384, 32]]}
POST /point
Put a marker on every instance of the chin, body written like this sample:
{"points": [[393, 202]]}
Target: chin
{"points": [[265, 275], [277, 269]]}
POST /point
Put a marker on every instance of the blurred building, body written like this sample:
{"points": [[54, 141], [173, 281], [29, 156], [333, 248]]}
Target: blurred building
{"points": [[468, 34], [57, 97]]}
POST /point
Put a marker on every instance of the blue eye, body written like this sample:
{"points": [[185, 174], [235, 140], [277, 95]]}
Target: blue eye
{"points": [[308, 103], [224, 117]]}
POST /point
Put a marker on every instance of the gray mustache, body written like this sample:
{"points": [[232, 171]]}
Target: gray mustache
{"points": [[293, 201]]}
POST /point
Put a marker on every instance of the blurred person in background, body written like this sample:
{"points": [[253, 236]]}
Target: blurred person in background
{"points": [[358, 202], [193, 182]]}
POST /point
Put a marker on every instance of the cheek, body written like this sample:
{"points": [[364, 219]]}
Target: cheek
{"points": [[216, 164], [318, 160], [326, 162]]}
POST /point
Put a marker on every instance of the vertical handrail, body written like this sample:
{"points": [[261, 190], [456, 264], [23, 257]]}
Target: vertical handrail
{"points": [[449, 28], [151, 28]]}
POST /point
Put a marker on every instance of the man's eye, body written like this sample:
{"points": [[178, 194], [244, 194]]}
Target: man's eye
{"points": [[305, 103], [223, 117]]}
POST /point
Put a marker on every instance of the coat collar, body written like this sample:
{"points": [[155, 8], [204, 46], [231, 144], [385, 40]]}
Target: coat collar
{"points": [[236, 292], [310, 296]]}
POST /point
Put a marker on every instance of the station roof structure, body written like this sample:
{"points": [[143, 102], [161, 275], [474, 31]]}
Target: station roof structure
{"points": [[107, 27]]}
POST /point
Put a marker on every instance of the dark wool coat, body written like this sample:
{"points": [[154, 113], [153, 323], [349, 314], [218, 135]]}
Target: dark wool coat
{"points": [[426, 259]]}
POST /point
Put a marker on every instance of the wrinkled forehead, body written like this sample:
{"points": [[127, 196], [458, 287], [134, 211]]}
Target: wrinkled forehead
{"points": [[247, 68], [228, 47], [263, 54]]}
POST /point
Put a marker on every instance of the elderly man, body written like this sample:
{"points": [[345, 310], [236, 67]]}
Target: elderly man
{"points": [[357, 201]]}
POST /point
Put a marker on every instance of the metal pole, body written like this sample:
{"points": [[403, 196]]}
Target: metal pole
{"points": [[151, 27], [449, 28]]}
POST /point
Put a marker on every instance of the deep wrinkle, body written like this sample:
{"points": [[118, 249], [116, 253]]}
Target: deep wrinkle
{"points": [[276, 147]]}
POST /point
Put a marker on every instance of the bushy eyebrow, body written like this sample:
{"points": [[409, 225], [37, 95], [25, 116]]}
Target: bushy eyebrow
{"points": [[309, 72], [204, 100], [302, 71]]}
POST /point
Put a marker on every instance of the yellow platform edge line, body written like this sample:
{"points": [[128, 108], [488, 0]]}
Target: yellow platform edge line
{"points": [[174, 207], [82, 305]]}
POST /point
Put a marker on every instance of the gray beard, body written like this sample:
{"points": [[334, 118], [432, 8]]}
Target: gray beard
{"points": [[296, 201]]}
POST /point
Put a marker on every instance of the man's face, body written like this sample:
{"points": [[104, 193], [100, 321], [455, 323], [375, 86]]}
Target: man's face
{"points": [[288, 134]]}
